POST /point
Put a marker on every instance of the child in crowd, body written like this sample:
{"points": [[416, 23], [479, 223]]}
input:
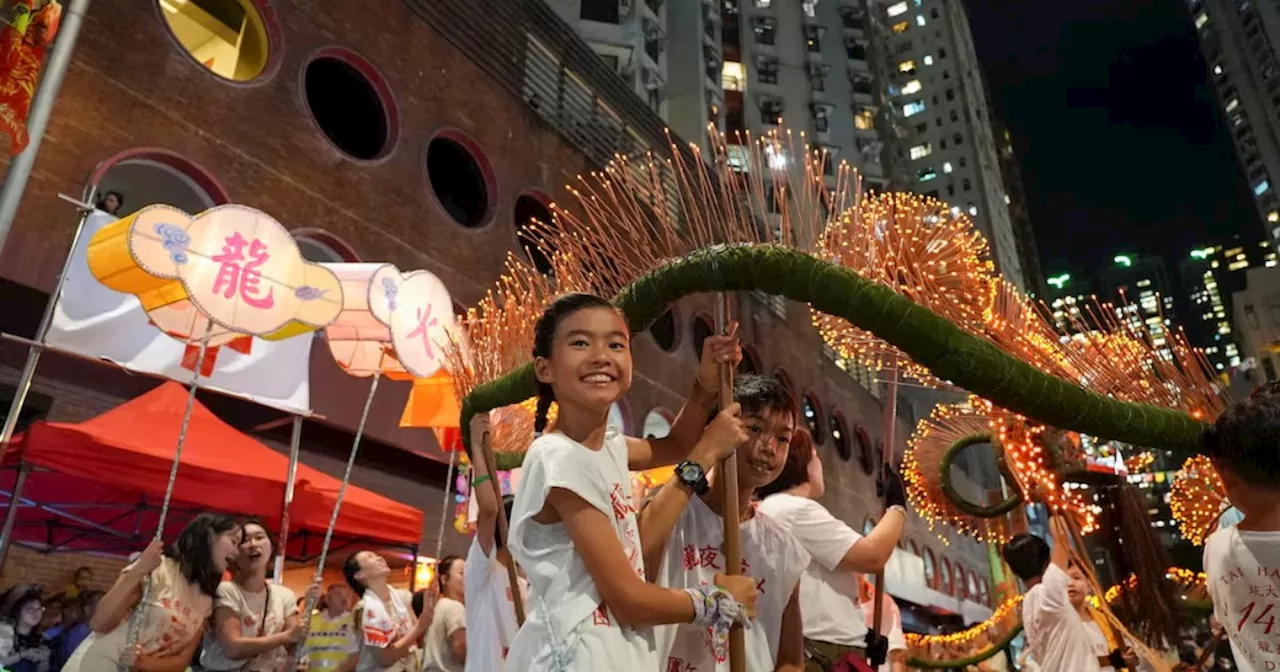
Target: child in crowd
{"points": [[491, 616], [184, 580], [446, 645], [1061, 634], [1243, 561], [389, 631], [692, 504], [331, 639], [574, 525], [835, 629], [255, 622]]}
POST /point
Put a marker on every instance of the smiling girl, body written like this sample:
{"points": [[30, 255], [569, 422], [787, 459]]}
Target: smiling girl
{"points": [[574, 525], [255, 623]]}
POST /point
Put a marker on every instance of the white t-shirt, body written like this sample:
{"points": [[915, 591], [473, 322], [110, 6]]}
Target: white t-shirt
{"points": [[450, 615], [381, 625], [828, 596], [1058, 638], [491, 612], [1243, 571], [693, 557], [277, 602], [569, 628], [890, 617]]}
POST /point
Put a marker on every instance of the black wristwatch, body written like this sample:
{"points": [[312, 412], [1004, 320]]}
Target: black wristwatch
{"points": [[693, 476]]}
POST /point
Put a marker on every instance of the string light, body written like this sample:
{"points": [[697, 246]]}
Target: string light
{"points": [[1197, 499], [1140, 462], [994, 628]]}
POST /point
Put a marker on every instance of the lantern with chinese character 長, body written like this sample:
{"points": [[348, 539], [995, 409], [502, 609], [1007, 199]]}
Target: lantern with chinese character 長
{"points": [[222, 277]]}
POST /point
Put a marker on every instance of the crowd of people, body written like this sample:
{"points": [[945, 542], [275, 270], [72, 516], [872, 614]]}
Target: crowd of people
{"points": [[612, 583]]}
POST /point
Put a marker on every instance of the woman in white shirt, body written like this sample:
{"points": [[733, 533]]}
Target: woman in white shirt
{"points": [[255, 623], [389, 632], [446, 646], [574, 523]]}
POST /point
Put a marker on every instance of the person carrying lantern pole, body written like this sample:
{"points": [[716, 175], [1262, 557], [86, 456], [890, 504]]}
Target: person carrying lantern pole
{"points": [[835, 631]]}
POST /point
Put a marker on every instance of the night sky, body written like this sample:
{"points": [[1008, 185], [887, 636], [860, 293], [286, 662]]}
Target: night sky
{"points": [[1120, 140]]}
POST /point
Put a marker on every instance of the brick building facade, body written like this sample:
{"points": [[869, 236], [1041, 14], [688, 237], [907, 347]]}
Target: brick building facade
{"points": [[133, 93]]}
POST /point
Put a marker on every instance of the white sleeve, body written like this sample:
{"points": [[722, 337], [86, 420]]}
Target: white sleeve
{"points": [[1212, 570], [823, 536], [1053, 591], [558, 462], [475, 580]]}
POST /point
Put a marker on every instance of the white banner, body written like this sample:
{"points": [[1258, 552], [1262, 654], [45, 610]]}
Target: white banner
{"points": [[95, 321]]}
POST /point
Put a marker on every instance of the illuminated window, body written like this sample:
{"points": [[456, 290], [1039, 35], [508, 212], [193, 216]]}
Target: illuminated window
{"points": [[1258, 189], [901, 27], [864, 118], [733, 76], [973, 210], [227, 37], [917, 106], [906, 66], [1200, 20], [920, 20], [928, 60], [1233, 104], [926, 174], [921, 151], [897, 9], [911, 87], [946, 167]]}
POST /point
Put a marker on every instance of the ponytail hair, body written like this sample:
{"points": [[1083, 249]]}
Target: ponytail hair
{"points": [[544, 336]]}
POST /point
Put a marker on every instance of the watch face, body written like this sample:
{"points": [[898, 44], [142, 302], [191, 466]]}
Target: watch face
{"points": [[689, 471]]}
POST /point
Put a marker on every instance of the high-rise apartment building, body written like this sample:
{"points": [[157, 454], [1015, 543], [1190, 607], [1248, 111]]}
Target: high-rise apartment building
{"points": [[628, 35], [1023, 235], [1211, 275], [941, 103], [1140, 289], [1239, 41]]}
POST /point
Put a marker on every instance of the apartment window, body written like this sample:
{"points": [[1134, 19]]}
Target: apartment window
{"points": [[901, 27], [821, 114], [951, 191], [922, 127], [946, 167], [864, 118], [767, 69], [908, 66], [928, 60], [861, 83], [926, 174], [963, 162], [973, 210], [920, 20], [1261, 188], [851, 18], [818, 77], [942, 53], [766, 29], [921, 151], [955, 116], [600, 11], [967, 185], [828, 167], [764, 4], [951, 94], [1233, 104], [942, 143], [904, 46], [913, 108], [855, 50], [810, 8], [733, 76], [934, 12], [896, 9], [958, 139], [771, 110], [911, 87], [813, 38]]}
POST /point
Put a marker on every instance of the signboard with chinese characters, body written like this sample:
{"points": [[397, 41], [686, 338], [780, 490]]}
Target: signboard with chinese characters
{"points": [[228, 271], [393, 323]]}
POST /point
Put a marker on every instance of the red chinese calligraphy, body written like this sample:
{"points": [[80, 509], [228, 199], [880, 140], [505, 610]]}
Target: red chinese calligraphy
{"points": [[425, 322], [676, 665], [621, 501], [236, 275], [708, 556], [690, 557]]}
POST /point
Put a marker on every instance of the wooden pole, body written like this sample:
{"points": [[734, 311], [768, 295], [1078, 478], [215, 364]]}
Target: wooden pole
{"points": [[486, 454], [890, 423], [729, 476]]}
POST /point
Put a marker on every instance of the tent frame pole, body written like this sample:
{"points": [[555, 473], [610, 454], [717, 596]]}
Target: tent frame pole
{"points": [[11, 514]]}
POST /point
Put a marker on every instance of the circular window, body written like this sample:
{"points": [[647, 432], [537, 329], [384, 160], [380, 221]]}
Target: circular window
{"points": [[323, 247], [702, 329], [532, 211], [930, 569], [657, 423], [351, 104], [750, 360], [664, 331], [228, 37], [460, 178], [840, 434], [865, 456], [812, 413]]}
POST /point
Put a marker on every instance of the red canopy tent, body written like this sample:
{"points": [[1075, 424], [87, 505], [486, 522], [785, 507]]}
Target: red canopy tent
{"points": [[98, 484]]}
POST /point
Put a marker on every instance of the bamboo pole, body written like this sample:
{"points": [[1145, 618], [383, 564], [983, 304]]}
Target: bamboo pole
{"points": [[890, 423], [729, 476], [491, 468]]}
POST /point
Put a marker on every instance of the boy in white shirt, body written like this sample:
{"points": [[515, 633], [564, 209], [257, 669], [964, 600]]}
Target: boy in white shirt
{"points": [[1243, 562], [688, 550], [1059, 637]]}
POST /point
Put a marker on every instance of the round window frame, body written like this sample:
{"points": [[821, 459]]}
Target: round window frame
{"points": [[481, 158], [381, 88], [820, 434], [516, 225], [843, 444], [275, 45]]}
